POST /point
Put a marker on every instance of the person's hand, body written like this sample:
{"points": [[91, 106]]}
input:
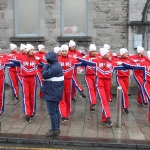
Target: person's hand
{"points": [[45, 66], [114, 54], [75, 56], [37, 58], [119, 63], [81, 71], [135, 61]]}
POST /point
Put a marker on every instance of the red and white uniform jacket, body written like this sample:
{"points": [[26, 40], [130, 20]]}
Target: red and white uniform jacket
{"points": [[138, 60], [104, 67], [90, 70], [28, 65], [68, 64], [41, 55], [13, 56], [123, 73], [3, 63]]}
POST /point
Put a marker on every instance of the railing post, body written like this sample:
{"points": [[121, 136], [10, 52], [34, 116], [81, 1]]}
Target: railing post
{"points": [[119, 106]]}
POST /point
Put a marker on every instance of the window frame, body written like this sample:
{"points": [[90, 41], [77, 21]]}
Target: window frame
{"points": [[16, 20], [62, 22]]}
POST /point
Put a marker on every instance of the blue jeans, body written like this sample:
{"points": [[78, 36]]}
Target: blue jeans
{"points": [[53, 111]]}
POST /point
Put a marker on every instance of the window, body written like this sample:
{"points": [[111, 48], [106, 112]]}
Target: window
{"points": [[74, 17], [27, 18]]}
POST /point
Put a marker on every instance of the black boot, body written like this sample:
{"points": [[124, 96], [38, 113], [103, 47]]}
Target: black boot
{"points": [[50, 130], [52, 133], [82, 95], [74, 100]]}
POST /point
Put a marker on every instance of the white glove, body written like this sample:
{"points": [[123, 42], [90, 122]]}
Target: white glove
{"points": [[81, 70], [37, 58], [10, 54], [114, 54], [135, 61], [119, 63], [75, 56]]}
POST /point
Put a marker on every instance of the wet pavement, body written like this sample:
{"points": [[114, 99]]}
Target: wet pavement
{"points": [[83, 129]]}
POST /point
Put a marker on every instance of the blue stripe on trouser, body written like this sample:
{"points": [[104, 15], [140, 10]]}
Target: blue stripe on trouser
{"points": [[23, 97], [35, 85], [147, 94], [140, 88], [3, 95], [11, 83], [76, 85]]}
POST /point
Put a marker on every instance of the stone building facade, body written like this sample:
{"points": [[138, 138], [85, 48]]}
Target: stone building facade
{"points": [[109, 21]]}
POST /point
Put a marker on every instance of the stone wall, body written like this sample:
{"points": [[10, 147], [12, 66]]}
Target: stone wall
{"points": [[110, 23], [5, 23], [106, 24]]}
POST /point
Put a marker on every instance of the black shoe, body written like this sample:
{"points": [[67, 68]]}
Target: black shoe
{"points": [[32, 117], [16, 99], [51, 130], [82, 95], [125, 111], [104, 123], [145, 104], [110, 100], [28, 119], [53, 133], [109, 123], [1, 115], [141, 104], [73, 99], [92, 108], [67, 119], [63, 119]]}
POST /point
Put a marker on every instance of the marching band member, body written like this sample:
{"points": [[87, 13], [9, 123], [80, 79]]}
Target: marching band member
{"points": [[28, 70], [3, 63], [138, 75], [90, 78], [68, 65], [103, 69], [12, 72], [122, 79], [75, 53], [144, 66], [40, 55]]}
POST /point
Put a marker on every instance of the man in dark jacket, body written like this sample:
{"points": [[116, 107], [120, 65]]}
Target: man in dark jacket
{"points": [[53, 90]]}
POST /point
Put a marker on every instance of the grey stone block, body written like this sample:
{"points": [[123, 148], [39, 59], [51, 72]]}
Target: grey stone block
{"points": [[71, 143], [15, 140]]}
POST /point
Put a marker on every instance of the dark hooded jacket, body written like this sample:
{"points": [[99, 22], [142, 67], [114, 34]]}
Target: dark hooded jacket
{"points": [[52, 89]]}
